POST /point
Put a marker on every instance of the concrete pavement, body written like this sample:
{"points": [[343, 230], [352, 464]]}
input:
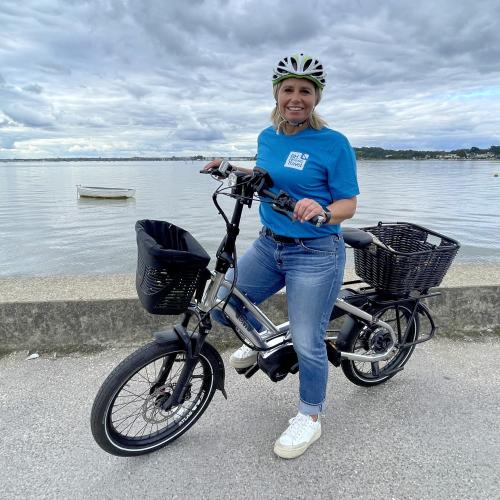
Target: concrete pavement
{"points": [[431, 432]]}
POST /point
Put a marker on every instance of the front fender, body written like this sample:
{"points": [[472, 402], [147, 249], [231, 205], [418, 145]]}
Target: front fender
{"points": [[218, 366], [166, 337]]}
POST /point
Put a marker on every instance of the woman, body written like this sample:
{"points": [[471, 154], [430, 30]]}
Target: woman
{"points": [[317, 166]]}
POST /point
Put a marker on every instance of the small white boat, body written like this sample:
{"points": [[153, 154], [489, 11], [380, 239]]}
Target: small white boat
{"points": [[104, 192]]}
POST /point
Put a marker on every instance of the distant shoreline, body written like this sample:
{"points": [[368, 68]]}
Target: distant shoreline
{"points": [[230, 158], [362, 153]]}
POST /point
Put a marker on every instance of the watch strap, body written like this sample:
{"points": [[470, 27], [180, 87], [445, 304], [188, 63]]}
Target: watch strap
{"points": [[328, 216]]}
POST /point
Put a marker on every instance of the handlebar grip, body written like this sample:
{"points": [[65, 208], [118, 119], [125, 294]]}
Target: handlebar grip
{"points": [[216, 172], [222, 171], [285, 204], [317, 220]]}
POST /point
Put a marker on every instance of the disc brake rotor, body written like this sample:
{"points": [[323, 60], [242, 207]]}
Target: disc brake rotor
{"points": [[152, 411], [380, 340], [155, 408]]}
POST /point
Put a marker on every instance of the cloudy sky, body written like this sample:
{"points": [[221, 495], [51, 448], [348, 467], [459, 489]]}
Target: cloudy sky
{"points": [[182, 77]]}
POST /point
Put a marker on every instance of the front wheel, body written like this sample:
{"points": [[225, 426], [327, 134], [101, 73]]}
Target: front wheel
{"points": [[130, 415], [365, 339]]}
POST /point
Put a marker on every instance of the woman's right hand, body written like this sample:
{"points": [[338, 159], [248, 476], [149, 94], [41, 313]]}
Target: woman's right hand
{"points": [[213, 165]]}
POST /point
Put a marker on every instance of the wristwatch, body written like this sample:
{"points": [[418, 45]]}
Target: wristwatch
{"points": [[327, 215]]}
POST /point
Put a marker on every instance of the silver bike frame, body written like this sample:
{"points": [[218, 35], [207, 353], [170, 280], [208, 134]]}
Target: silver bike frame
{"points": [[276, 334]]}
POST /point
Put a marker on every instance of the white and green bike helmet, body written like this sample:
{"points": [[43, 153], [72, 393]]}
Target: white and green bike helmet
{"points": [[300, 66]]}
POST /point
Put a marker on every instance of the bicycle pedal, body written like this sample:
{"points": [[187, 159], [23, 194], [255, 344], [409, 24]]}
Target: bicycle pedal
{"points": [[252, 370]]}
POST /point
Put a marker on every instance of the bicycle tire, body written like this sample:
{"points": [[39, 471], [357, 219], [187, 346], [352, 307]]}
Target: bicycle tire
{"points": [[361, 340], [120, 433]]}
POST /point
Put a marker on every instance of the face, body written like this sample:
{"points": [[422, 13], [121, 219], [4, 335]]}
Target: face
{"points": [[296, 99]]}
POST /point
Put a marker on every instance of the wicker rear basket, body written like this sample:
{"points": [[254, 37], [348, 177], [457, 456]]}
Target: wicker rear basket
{"points": [[170, 266], [419, 260]]}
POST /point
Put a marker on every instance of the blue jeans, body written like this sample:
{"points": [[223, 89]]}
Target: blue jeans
{"points": [[312, 271]]}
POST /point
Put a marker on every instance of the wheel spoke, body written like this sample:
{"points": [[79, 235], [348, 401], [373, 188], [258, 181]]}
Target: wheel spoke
{"points": [[145, 381], [123, 405], [132, 393], [139, 432], [118, 421], [129, 426]]}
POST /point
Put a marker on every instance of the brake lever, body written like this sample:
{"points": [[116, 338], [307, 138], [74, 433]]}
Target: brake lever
{"points": [[285, 204], [215, 172], [282, 211]]}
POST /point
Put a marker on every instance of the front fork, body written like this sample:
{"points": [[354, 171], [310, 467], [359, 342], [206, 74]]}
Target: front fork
{"points": [[192, 342]]}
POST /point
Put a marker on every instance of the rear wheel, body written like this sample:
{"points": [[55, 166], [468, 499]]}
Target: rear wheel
{"points": [[365, 339], [131, 416]]}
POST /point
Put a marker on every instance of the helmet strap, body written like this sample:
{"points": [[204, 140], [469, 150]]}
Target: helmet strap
{"points": [[296, 124]]}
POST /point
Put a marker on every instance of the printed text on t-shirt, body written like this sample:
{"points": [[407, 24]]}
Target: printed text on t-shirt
{"points": [[296, 160]]}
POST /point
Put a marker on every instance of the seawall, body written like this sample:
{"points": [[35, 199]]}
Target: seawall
{"points": [[74, 313]]}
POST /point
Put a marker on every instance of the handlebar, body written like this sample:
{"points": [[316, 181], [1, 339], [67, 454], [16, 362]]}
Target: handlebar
{"points": [[259, 183]]}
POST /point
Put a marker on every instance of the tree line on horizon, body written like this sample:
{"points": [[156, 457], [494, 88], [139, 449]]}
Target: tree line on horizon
{"points": [[376, 153], [362, 153]]}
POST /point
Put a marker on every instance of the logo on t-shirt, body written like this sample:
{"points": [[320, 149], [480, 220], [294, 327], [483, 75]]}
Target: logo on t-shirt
{"points": [[296, 160]]}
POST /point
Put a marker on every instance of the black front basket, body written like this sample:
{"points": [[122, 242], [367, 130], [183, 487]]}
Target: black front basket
{"points": [[171, 264]]}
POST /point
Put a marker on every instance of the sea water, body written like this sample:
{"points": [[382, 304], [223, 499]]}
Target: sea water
{"points": [[45, 229]]}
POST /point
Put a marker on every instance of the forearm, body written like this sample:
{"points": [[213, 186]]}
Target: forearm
{"points": [[342, 210]]}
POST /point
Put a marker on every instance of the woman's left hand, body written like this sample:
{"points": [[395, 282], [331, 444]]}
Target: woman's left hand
{"points": [[306, 209]]}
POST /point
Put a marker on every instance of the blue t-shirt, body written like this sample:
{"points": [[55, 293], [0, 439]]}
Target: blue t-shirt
{"points": [[315, 164]]}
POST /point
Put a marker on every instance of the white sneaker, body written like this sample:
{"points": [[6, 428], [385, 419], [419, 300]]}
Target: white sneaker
{"points": [[244, 357], [302, 432]]}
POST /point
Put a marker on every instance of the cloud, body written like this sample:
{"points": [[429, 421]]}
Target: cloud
{"points": [[194, 77], [199, 135], [137, 91], [36, 89], [28, 117], [7, 143]]}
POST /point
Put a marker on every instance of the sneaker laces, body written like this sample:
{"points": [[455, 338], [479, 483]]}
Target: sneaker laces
{"points": [[244, 349], [298, 424]]}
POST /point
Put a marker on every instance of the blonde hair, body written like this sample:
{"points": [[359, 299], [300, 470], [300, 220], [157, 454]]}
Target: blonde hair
{"points": [[278, 120]]}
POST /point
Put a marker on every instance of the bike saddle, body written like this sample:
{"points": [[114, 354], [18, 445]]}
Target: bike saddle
{"points": [[356, 238]]}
